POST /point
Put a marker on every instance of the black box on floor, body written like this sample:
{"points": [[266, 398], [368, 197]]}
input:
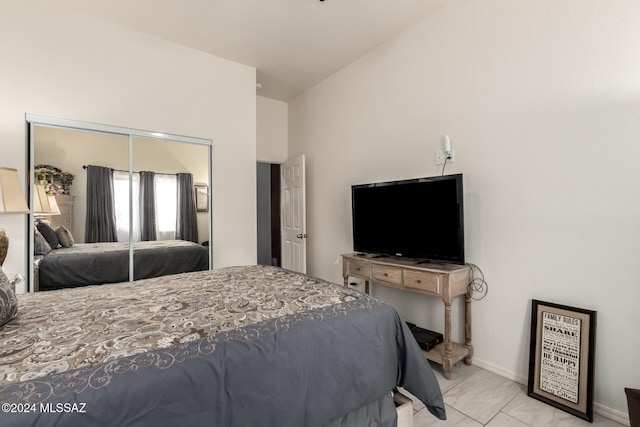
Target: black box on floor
{"points": [[426, 339]]}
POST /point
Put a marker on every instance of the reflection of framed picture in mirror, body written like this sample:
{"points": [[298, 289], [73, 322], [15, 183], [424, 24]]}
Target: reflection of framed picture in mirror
{"points": [[202, 198], [561, 357]]}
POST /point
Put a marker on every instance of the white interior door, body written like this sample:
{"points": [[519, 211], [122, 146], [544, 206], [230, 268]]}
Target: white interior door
{"points": [[293, 214]]}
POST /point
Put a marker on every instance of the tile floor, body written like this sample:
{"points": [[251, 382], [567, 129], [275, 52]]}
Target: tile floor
{"points": [[475, 397]]}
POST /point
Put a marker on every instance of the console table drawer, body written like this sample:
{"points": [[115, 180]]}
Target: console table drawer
{"points": [[422, 281], [387, 274], [359, 268]]}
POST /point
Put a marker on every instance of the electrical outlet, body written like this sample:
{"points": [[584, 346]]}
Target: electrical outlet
{"points": [[440, 157]]}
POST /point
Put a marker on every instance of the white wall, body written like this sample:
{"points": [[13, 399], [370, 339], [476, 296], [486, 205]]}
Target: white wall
{"points": [[62, 64], [272, 130], [541, 100]]}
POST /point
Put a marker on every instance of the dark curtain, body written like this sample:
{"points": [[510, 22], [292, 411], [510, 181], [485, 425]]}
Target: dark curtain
{"points": [[147, 207], [101, 214], [186, 222]]}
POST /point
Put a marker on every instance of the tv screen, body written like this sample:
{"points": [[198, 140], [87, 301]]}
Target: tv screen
{"points": [[416, 218]]}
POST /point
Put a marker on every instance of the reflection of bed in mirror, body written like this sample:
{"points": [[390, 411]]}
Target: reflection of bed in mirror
{"points": [[108, 262]]}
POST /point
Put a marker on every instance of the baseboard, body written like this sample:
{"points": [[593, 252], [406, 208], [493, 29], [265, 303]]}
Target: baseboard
{"points": [[612, 414], [498, 370], [598, 408]]}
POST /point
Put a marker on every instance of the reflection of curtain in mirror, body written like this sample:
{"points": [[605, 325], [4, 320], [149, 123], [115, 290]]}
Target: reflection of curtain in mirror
{"points": [[101, 222], [186, 219], [148, 228]]}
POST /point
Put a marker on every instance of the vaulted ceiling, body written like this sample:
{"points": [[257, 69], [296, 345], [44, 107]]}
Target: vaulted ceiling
{"points": [[293, 44]]}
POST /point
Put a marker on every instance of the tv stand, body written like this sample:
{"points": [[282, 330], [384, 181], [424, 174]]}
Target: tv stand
{"points": [[446, 281]]}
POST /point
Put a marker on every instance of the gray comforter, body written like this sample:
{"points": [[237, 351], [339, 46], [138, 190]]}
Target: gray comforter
{"points": [[242, 346]]}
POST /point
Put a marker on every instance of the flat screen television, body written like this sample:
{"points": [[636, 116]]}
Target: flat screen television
{"points": [[415, 218]]}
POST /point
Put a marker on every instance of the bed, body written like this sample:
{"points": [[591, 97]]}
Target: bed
{"points": [[238, 346], [97, 263]]}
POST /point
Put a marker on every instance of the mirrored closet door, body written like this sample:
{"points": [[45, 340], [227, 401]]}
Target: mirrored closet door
{"points": [[113, 204]]}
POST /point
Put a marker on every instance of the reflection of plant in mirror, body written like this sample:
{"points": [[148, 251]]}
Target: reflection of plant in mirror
{"points": [[66, 178], [55, 189], [56, 181], [43, 174], [46, 172]]}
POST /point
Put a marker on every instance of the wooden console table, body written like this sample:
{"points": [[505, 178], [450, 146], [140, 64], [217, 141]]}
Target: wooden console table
{"points": [[446, 281]]}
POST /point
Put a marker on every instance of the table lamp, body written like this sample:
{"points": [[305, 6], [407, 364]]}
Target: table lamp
{"points": [[12, 201], [44, 204]]}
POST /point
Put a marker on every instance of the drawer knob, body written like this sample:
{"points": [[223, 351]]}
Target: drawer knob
{"points": [[418, 281], [386, 274], [358, 269]]}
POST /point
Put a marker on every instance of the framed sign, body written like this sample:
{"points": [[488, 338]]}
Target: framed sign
{"points": [[561, 357], [202, 198]]}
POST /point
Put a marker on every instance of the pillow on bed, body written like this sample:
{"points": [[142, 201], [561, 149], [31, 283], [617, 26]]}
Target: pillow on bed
{"points": [[40, 245], [64, 236], [48, 233], [8, 300]]}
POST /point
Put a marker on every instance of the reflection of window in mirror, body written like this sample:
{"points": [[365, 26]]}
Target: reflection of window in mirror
{"points": [[166, 159], [165, 190], [166, 206], [121, 205]]}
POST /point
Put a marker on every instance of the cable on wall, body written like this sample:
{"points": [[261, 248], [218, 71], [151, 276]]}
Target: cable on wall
{"points": [[478, 288], [444, 165]]}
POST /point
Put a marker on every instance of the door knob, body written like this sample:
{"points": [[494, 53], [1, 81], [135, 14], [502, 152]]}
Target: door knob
{"points": [[302, 236]]}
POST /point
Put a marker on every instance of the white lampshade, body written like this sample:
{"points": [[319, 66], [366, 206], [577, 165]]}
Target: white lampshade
{"points": [[11, 197], [11, 202], [43, 203]]}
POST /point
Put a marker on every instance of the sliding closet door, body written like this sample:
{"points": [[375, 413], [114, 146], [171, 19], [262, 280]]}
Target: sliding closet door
{"points": [[74, 167], [124, 188]]}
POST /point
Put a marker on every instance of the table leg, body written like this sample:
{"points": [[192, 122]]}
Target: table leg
{"points": [[447, 368], [446, 358], [467, 328], [366, 287]]}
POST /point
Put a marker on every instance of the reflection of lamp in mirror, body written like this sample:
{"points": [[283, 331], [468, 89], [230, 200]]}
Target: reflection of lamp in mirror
{"points": [[11, 202], [44, 204]]}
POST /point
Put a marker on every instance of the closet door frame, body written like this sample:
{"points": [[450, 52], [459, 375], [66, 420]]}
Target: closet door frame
{"points": [[36, 120]]}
